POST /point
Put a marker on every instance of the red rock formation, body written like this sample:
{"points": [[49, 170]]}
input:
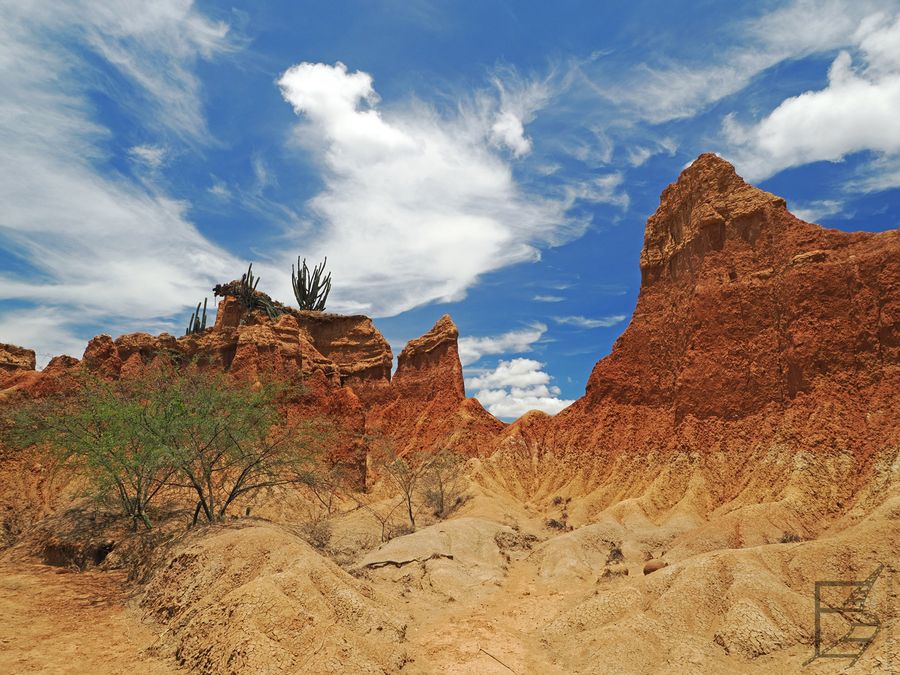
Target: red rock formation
{"points": [[345, 367], [426, 406], [752, 329], [758, 341], [15, 359], [743, 305]]}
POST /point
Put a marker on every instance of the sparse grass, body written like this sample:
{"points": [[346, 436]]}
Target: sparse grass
{"points": [[790, 538], [555, 524], [615, 554]]}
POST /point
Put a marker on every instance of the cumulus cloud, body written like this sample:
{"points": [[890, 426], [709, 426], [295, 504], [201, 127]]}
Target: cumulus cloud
{"points": [[509, 131], [585, 322], [514, 387], [548, 298], [90, 245], [416, 205], [856, 111], [471, 349]]}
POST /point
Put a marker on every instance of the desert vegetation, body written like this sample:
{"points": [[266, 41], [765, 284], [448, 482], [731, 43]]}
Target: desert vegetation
{"points": [[177, 427], [417, 480], [311, 289], [274, 496]]}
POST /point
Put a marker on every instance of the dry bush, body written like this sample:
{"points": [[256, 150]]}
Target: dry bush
{"points": [[443, 483], [790, 538], [317, 533], [615, 554]]}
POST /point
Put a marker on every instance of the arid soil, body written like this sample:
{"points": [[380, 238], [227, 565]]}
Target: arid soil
{"points": [[492, 589], [742, 441], [54, 620]]}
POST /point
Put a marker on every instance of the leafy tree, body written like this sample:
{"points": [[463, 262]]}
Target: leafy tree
{"points": [[99, 429], [178, 427], [225, 439]]}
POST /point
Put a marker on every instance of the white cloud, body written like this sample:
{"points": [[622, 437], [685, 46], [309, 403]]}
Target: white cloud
{"points": [[262, 176], [602, 190], [471, 349], [514, 387], [856, 111], [44, 329], [220, 190], [658, 90], [509, 131], [416, 205], [882, 173], [154, 45], [152, 156], [95, 246], [519, 100], [585, 322], [548, 298], [812, 212], [639, 154]]}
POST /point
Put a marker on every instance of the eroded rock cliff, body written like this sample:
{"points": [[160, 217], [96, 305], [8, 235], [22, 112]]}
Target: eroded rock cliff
{"points": [[760, 368]]}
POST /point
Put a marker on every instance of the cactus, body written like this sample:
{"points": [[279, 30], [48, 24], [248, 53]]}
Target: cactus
{"points": [[246, 293], [310, 289], [197, 323], [247, 289]]}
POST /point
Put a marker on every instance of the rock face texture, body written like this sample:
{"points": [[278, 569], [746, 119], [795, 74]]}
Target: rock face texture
{"points": [[14, 359], [754, 332], [426, 406], [343, 362], [761, 364], [743, 305]]}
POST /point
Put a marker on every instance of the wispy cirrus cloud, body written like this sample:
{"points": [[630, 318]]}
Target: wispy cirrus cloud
{"points": [[813, 212], [664, 87], [586, 322], [90, 244]]}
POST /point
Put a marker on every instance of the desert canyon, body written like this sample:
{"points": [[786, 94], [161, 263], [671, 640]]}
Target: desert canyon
{"points": [[739, 444]]}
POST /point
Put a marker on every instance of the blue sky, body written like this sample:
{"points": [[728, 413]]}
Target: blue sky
{"points": [[491, 160]]}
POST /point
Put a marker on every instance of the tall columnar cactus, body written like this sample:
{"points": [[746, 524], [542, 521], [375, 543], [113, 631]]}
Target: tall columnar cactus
{"points": [[310, 289], [197, 324], [247, 291]]}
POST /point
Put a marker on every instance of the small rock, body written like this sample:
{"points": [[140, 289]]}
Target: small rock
{"points": [[654, 565]]}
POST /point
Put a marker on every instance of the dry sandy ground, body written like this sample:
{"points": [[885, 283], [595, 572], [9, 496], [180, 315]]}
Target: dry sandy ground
{"points": [[56, 621], [491, 590]]}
